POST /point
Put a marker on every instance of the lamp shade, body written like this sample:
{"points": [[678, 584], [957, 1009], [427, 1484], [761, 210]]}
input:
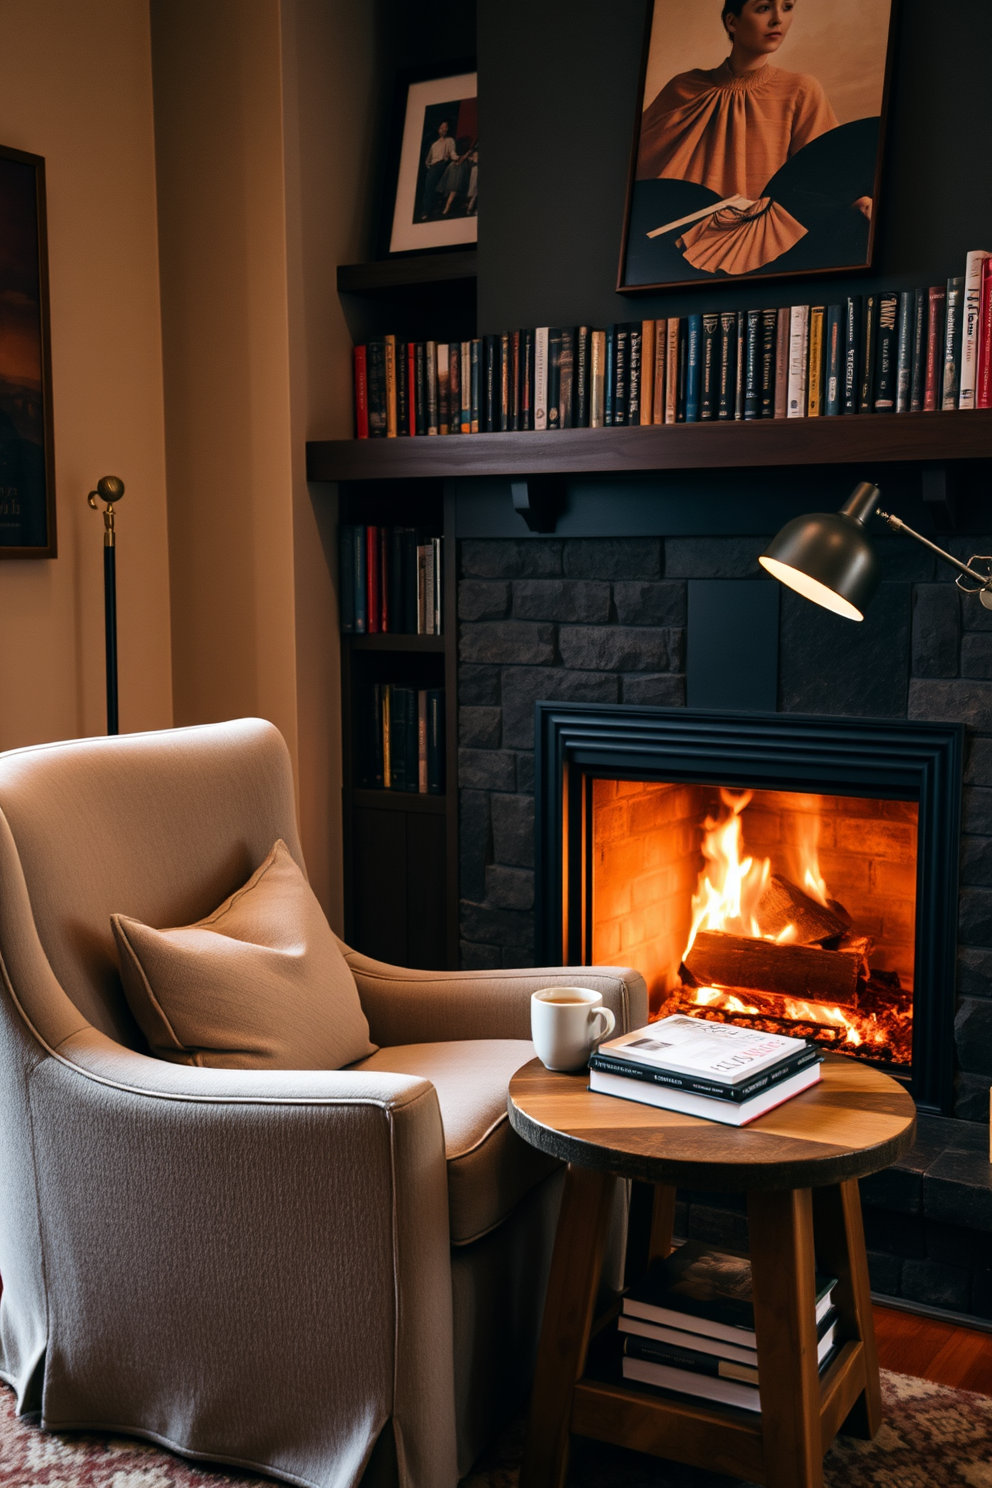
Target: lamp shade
{"points": [[827, 556]]}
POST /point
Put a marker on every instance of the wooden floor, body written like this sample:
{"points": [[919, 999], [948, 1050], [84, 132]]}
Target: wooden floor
{"points": [[959, 1357]]}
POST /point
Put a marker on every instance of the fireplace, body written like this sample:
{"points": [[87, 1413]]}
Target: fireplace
{"points": [[798, 874]]}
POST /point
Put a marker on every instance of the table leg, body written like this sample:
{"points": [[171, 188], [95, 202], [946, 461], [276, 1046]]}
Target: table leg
{"points": [[840, 1245], [580, 1243], [782, 1272]]}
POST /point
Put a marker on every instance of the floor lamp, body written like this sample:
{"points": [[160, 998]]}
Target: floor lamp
{"points": [[109, 488]]}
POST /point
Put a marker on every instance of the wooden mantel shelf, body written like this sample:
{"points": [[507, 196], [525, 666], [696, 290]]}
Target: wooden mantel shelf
{"points": [[864, 439]]}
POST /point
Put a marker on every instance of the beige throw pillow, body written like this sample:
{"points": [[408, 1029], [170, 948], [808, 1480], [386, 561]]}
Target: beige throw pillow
{"points": [[259, 984]]}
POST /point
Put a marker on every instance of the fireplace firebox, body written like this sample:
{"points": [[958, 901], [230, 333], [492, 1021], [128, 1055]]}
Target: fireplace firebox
{"points": [[797, 874]]}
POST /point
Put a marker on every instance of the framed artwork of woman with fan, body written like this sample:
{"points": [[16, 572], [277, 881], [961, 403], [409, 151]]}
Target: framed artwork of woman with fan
{"points": [[765, 160]]}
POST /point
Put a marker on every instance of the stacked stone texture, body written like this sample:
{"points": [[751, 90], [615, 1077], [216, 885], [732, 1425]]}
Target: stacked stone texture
{"points": [[603, 620]]}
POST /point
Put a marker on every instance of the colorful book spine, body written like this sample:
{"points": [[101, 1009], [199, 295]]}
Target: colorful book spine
{"points": [[621, 373], [918, 368], [833, 361], [376, 367], [526, 379], [505, 383], [726, 390], [475, 371], [455, 387], [769, 331], [853, 325], [886, 354], [752, 385], [645, 399], [420, 387], [970, 323], [541, 378], [660, 358], [904, 355], [490, 384], [465, 373], [869, 339], [609, 375], [681, 401], [783, 338], [983, 392], [672, 371], [694, 364], [443, 387], [580, 379], [596, 378], [814, 376], [798, 360], [373, 574], [634, 374], [710, 355], [433, 420], [403, 384], [936, 307], [566, 379], [392, 408], [361, 394], [952, 344], [515, 380], [554, 377]]}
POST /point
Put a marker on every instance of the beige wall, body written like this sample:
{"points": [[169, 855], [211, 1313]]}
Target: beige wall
{"points": [[75, 86]]}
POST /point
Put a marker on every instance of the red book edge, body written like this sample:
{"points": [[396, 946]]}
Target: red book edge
{"points": [[935, 353], [372, 580], [361, 394], [983, 391], [411, 383]]}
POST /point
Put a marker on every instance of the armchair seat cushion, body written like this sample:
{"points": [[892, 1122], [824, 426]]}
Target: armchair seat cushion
{"points": [[490, 1168]]}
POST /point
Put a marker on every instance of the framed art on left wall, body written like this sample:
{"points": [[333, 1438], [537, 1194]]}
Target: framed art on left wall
{"points": [[27, 464], [435, 162]]}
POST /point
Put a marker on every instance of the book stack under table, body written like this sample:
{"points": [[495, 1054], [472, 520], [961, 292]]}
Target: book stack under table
{"points": [[688, 1327]]}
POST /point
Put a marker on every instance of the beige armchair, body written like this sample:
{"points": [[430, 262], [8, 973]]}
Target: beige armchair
{"points": [[328, 1276]]}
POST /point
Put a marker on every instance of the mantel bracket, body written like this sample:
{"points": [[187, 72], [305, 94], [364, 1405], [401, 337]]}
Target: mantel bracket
{"points": [[540, 500], [940, 496]]}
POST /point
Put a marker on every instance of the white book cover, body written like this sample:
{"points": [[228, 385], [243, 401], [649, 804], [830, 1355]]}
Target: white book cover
{"points": [[970, 326], [745, 1397], [672, 372], [597, 379], [726, 1113], [722, 1052], [798, 360], [541, 377]]}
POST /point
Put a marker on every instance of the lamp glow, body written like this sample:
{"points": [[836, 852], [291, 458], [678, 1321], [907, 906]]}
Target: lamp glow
{"points": [[811, 588]]}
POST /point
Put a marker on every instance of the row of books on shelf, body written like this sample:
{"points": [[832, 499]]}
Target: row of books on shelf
{"points": [[688, 1327], [391, 580], [399, 738], [916, 350], [715, 1070]]}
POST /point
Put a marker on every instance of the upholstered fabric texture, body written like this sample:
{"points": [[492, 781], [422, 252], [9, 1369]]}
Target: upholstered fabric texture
{"points": [[490, 1168], [258, 984]]}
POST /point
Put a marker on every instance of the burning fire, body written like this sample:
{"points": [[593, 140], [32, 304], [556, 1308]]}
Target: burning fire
{"points": [[877, 1023]]}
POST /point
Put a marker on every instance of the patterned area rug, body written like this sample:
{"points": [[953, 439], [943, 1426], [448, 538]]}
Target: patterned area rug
{"points": [[932, 1437]]}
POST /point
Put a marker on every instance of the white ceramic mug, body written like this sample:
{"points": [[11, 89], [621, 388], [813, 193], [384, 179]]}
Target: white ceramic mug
{"points": [[567, 1024]]}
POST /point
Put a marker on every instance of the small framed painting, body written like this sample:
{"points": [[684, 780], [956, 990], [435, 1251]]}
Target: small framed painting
{"points": [[27, 465], [436, 200], [758, 143]]}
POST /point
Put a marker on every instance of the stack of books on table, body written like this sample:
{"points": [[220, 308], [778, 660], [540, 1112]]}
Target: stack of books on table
{"points": [[715, 1070], [689, 1326]]}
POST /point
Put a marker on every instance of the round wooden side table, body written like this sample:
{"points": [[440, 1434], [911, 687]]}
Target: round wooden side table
{"points": [[799, 1166]]}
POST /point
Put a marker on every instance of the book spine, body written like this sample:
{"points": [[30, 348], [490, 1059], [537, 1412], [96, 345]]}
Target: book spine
{"points": [[403, 389], [660, 360], [475, 404], [346, 562], [614, 1064], [515, 380], [368, 755], [422, 741], [952, 345], [455, 387], [361, 581], [395, 598], [693, 374], [904, 353], [541, 378], [769, 326], [983, 392], [918, 371], [383, 549], [554, 377], [783, 337], [376, 367], [645, 408], [752, 391], [682, 384], [597, 383], [936, 306], [443, 388], [659, 1352], [621, 371], [433, 408], [490, 385], [634, 374], [672, 371], [580, 379], [438, 545], [527, 379], [886, 354], [834, 359], [386, 734], [435, 741], [726, 368], [853, 313], [869, 337], [971, 312], [373, 574], [420, 387], [708, 376], [740, 362], [428, 600], [798, 360], [392, 409], [410, 580], [814, 375], [505, 379], [421, 588], [566, 379], [609, 375], [465, 376], [361, 393]]}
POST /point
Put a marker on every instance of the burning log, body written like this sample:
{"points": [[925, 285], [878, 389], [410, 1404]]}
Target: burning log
{"points": [[783, 904], [807, 973]]}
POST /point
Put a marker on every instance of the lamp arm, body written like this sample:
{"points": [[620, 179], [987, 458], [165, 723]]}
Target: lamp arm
{"points": [[898, 525]]}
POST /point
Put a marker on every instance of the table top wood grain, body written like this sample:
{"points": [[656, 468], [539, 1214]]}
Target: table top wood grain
{"points": [[855, 1121]]}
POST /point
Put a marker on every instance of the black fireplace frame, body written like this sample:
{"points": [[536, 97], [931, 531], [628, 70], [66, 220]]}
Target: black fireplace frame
{"points": [[578, 743]]}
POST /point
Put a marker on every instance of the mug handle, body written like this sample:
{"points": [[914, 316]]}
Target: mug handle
{"points": [[611, 1023]]}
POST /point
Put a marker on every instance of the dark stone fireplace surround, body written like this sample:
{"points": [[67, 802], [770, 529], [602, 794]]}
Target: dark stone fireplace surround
{"points": [[604, 620]]}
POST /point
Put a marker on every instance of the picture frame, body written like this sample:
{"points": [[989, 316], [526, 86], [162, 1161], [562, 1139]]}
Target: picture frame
{"points": [[432, 197], [747, 167], [27, 454]]}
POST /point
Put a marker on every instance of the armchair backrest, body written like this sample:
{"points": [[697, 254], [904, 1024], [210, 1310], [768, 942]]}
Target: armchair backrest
{"points": [[159, 826]]}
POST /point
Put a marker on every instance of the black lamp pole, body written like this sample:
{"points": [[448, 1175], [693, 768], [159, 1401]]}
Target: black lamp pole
{"points": [[109, 488]]}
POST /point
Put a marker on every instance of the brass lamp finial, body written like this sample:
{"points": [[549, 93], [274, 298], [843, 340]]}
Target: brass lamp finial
{"points": [[109, 488]]}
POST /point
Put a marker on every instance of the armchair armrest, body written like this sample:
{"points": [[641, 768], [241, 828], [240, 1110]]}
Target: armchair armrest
{"points": [[252, 1265], [404, 1006]]}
